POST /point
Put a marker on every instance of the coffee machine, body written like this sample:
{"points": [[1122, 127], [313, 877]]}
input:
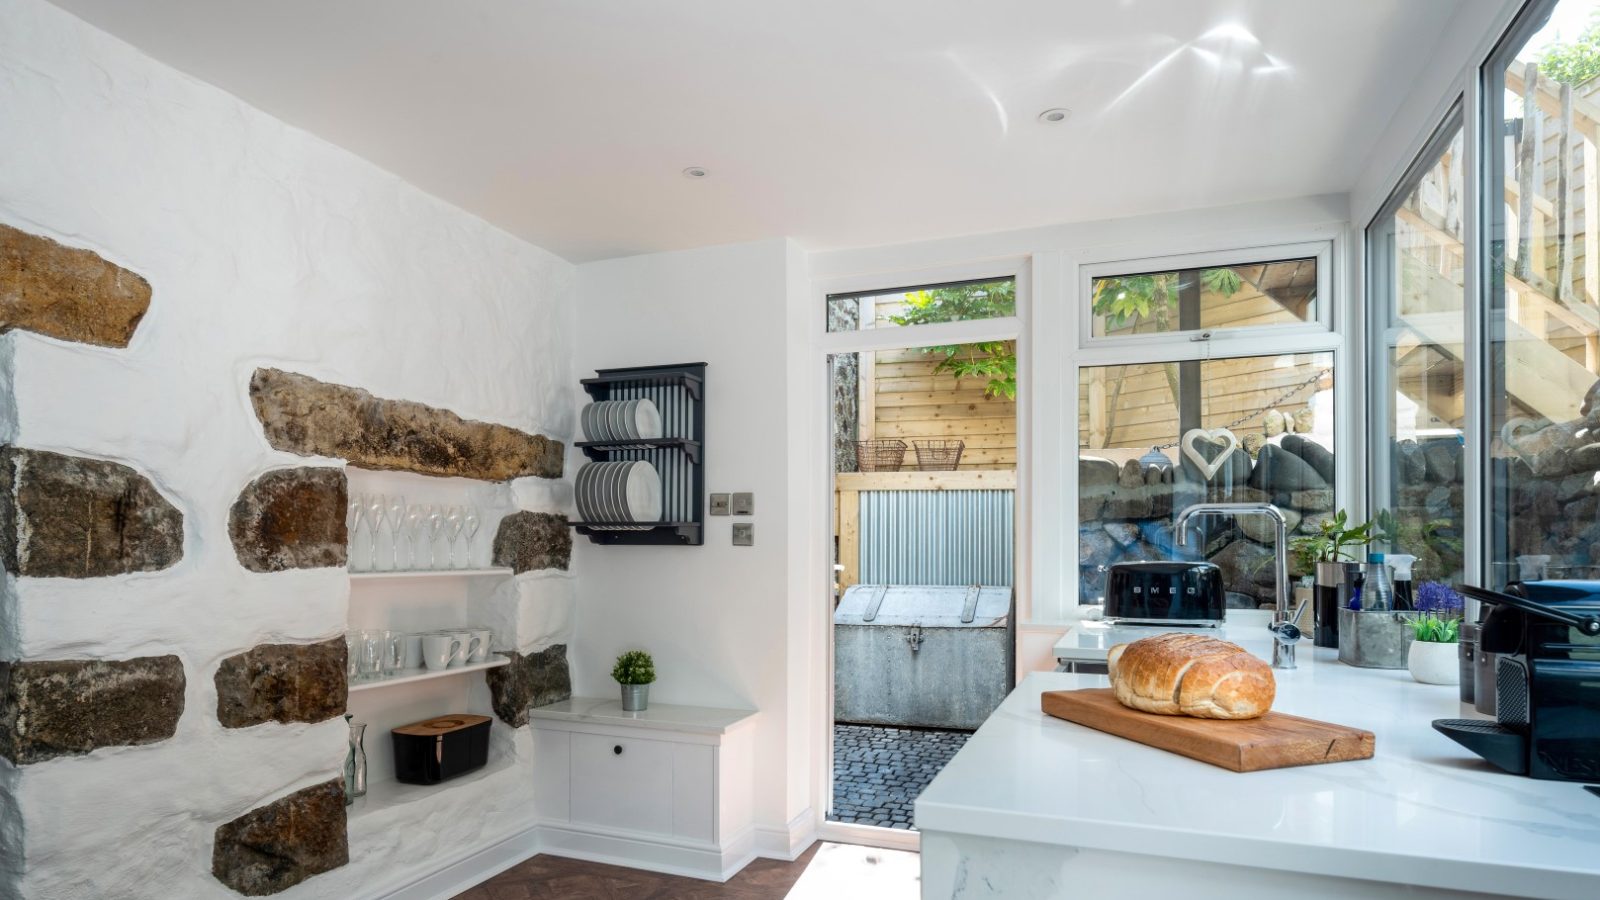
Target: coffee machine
{"points": [[1546, 635]]}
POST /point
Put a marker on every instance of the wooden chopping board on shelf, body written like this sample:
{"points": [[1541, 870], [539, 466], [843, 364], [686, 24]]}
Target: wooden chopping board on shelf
{"points": [[1274, 741]]}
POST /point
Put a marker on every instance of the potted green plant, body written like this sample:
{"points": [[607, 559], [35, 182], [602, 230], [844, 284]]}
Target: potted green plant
{"points": [[635, 671], [1434, 655]]}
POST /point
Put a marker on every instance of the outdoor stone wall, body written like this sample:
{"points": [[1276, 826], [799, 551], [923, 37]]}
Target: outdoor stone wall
{"points": [[1127, 513], [1552, 471], [171, 619]]}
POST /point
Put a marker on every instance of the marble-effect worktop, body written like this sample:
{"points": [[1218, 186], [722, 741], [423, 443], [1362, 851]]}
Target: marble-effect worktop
{"points": [[1039, 807]]}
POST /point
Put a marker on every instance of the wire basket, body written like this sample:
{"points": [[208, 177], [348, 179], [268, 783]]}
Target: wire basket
{"points": [[939, 456], [880, 455]]}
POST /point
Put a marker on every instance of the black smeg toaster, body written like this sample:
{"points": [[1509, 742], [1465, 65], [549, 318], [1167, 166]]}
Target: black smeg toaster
{"points": [[1165, 593]]}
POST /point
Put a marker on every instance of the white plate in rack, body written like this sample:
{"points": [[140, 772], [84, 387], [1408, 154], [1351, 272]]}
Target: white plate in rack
{"points": [[642, 495], [647, 421]]}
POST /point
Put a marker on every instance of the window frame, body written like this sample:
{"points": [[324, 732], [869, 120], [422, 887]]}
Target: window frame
{"points": [[1323, 250]]}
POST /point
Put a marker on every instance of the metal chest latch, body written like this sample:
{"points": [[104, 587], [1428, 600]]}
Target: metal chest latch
{"points": [[915, 638]]}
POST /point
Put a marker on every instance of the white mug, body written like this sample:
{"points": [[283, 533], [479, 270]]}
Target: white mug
{"points": [[439, 650], [411, 651], [479, 651], [463, 647]]}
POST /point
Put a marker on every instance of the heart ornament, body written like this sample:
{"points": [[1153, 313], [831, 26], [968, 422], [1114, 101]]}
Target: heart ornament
{"points": [[1227, 438]]}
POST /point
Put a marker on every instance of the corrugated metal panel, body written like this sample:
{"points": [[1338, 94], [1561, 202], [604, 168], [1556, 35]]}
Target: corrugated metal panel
{"points": [[936, 537]]}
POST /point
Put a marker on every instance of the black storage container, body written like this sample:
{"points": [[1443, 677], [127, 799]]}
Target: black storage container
{"points": [[1165, 593], [441, 748]]}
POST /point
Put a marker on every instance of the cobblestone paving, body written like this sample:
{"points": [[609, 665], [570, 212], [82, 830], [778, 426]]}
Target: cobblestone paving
{"points": [[879, 771]]}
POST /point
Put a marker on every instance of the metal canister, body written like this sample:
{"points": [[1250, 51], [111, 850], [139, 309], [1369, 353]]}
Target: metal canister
{"points": [[1335, 582]]}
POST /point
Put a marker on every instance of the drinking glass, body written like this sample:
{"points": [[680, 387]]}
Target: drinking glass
{"points": [[352, 655], [435, 525], [416, 517], [395, 507], [370, 647], [353, 513], [394, 651], [469, 527], [375, 513], [453, 519]]}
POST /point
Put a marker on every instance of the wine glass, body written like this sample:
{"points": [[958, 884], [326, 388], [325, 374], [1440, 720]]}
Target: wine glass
{"points": [[353, 512], [375, 513], [435, 525], [453, 519], [396, 509], [469, 527], [416, 516]]}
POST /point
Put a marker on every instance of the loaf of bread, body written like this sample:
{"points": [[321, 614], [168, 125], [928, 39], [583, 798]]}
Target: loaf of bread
{"points": [[1191, 675]]}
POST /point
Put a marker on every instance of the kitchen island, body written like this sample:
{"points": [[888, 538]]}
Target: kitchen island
{"points": [[1037, 807]]}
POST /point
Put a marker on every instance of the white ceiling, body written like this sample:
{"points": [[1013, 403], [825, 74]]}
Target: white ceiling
{"points": [[837, 122]]}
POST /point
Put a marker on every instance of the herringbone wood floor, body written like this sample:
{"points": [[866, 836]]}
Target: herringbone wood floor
{"points": [[554, 878]]}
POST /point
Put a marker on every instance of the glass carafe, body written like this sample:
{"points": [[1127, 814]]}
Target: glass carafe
{"points": [[355, 762]]}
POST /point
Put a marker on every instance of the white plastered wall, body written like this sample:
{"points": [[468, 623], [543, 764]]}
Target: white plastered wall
{"points": [[264, 245]]}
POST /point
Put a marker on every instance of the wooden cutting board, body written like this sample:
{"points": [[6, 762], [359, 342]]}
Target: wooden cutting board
{"points": [[1274, 741]]}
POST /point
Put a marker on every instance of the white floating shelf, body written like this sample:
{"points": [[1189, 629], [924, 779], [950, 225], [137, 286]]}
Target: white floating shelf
{"points": [[406, 676], [386, 575]]}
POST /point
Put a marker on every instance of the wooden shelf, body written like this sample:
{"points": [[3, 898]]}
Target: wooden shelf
{"points": [[386, 575], [407, 676], [600, 386]]}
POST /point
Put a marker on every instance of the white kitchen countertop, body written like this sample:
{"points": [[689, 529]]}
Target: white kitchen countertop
{"points": [[660, 716], [1090, 639], [1423, 811]]}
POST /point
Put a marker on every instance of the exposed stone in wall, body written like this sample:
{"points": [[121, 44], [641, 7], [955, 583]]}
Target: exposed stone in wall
{"points": [[313, 418], [72, 517], [282, 683], [275, 847], [67, 292], [68, 707], [531, 540], [534, 679], [291, 519]]}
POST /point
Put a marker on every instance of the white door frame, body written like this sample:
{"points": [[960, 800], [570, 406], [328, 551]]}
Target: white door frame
{"points": [[825, 344]]}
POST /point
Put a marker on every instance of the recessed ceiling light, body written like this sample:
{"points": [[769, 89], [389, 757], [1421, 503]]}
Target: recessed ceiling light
{"points": [[695, 172], [1055, 116]]}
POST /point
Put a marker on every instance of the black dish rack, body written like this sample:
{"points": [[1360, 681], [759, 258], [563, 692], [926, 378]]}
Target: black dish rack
{"points": [[678, 391]]}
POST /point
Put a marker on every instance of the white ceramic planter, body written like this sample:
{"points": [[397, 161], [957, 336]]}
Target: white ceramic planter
{"points": [[1434, 663]]}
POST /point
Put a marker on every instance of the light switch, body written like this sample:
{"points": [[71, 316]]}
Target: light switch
{"points": [[744, 534], [744, 504], [719, 504]]}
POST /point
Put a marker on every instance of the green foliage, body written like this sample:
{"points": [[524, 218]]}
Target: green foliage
{"points": [[1436, 629], [634, 667], [1574, 62], [1334, 540], [995, 362], [1122, 300]]}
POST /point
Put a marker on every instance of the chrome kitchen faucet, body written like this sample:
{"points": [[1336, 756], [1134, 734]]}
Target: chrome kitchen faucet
{"points": [[1285, 633]]}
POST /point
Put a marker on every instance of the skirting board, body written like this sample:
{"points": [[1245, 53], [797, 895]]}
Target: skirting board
{"points": [[472, 869], [789, 842], [640, 851]]}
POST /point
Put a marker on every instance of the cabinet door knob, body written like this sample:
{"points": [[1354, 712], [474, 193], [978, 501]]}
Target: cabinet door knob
{"points": [[617, 749]]}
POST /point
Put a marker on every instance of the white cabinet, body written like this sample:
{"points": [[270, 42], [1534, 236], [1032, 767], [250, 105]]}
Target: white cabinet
{"points": [[667, 789]]}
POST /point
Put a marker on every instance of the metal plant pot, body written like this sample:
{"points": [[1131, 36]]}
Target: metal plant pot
{"points": [[635, 697], [1374, 639]]}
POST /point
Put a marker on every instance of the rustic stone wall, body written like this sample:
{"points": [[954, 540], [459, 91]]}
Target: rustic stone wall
{"points": [[190, 240], [532, 679], [527, 541], [312, 418], [291, 519], [70, 517], [69, 707], [67, 293], [1126, 513]]}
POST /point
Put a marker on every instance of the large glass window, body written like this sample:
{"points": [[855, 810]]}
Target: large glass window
{"points": [[1154, 438], [1279, 292], [1542, 122], [1417, 317]]}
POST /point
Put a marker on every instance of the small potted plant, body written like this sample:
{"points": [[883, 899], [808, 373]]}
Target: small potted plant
{"points": [[635, 671], [1433, 656]]}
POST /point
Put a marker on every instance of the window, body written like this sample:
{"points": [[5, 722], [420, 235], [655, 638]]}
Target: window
{"points": [[1154, 438], [1543, 305], [1201, 299], [961, 301], [1417, 327]]}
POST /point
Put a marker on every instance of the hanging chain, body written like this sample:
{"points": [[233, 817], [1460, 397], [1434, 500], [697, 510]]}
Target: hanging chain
{"points": [[1251, 415]]}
